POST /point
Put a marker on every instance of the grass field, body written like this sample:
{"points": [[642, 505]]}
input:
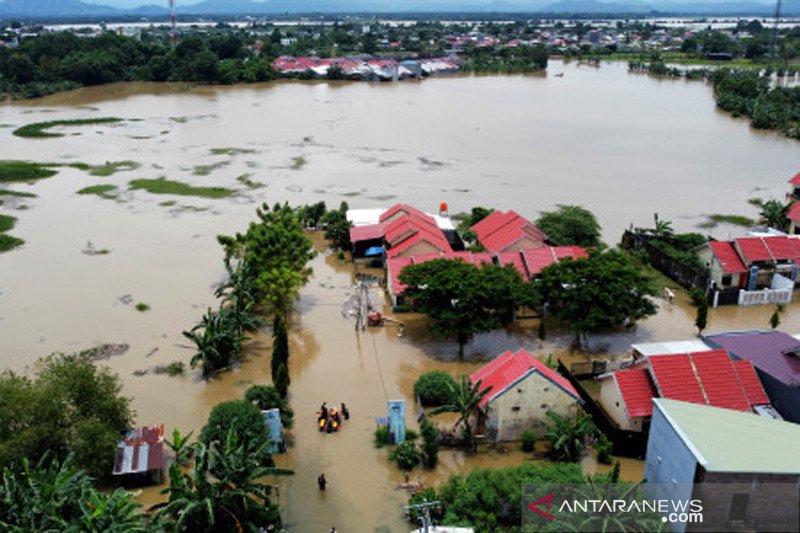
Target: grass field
{"points": [[164, 186], [39, 130]]}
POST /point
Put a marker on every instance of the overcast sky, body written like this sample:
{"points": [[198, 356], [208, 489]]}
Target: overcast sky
{"points": [[399, 3]]}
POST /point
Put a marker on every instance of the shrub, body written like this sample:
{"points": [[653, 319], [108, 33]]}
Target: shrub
{"points": [[430, 443], [433, 388], [381, 437], [246, 422], [528, 441], [411, 435], [406, 455], [267, 397], [604, 448]]}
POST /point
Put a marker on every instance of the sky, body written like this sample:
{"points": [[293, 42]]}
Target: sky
{"points": [[399, 3]]}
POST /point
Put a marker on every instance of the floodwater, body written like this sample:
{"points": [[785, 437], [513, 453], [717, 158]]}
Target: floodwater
{"points": [[625, 146]]}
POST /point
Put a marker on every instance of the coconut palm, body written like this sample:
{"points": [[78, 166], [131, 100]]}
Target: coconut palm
{"points": [[465, 399], [239, 295], [568, 436], [773, 213], [217, 343]]}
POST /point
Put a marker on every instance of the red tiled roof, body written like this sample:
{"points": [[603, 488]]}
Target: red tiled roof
{"points": [[795, 180], [393, 268], [142, 450], [675, 378], [366, 233], [779, 248], [515, 259], [637, 391], [537, 259], [408, 210], [719, 380], [499, 230], [509, 367], [728, 257], [794, 211], [753, 389], [753, 249], [416, 238]]}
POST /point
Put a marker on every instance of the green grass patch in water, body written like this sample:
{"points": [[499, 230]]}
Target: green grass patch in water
{"points": [[112, 167], [164, 186], [298, 162], [103, 191], [7, 242], [17, 194], [11, 171], [7, 222], [245, 180], [736, 220], [40, 129], [205, 170], [232, 151]]}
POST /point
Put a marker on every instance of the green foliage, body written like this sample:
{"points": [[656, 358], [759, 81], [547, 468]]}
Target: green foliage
{"points": [[69, 406], [773, 214], [491, 499], [17, 194], [243, 419], [267, 397], [381, 436], [604, 291], [430, 443], [142, 307], [570, 225], [775, 319], [112, 167], [223, 490], [12, 171], [41, 129], [406, 455], [568, 436], [7, 223], [53, 495], [337, 227], [528, 438], [7, 242], [180, 446], [433, 388], [164, 186], [175, 368], [103, 191], [604, 448], [736, 220], [465, 401], [476, 215], [700, 301], [280, 355], [463, 299], [217, 339], [679, 247]]}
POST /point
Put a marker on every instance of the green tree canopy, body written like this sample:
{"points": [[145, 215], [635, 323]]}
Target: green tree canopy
{"points": [[69, 406], [570, 225], [601, 292], [463, 299], [465, 400], [244, 419], [267, 397]]}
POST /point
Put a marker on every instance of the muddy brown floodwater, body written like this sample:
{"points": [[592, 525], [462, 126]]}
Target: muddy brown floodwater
{"points": [[625, 146]]}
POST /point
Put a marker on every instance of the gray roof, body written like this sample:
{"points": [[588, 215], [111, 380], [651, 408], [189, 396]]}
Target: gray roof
{"points": [[766, 350]]}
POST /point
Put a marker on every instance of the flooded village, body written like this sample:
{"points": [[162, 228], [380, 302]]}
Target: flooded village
{"points": [[406, 283]]}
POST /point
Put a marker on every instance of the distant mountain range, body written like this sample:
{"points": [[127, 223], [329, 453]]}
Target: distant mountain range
{"points": [[78, 8]]}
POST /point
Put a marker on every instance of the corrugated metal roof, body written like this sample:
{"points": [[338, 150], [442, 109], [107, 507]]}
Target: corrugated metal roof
{"points": [[537, 259], [675, 378], [794, 211], [515, 259], [637, 391], [779, 248], [728, 257], [393, 268], [142, 450], [753, 389], [508, 368], [765, 350], [719, 381], [731, 441], [499, 230], [366, 233]]}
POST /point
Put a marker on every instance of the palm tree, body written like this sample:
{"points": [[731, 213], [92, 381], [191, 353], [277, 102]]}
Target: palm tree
{"points": [[568, 436], [219, 341], [663, 229], [239, 295], [773, 213], [465, 399], [221, 492]]}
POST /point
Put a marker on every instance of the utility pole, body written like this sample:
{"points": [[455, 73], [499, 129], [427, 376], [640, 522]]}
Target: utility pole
{"points": [[173, 36], [425, 506], [775, 31]]}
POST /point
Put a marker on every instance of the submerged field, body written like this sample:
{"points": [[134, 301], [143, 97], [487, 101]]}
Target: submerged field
{"points": [[623, 146]]}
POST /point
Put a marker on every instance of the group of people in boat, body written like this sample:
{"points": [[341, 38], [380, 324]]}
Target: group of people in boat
{"points": [[330, 418]]}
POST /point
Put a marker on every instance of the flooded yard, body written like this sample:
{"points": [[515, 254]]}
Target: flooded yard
{"points": [[624, 146]]}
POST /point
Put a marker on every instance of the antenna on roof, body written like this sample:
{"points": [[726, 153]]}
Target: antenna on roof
{"points": [[173, 36]]}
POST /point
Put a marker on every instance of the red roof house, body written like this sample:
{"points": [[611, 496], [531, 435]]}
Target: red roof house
{"points": [[537, 259], [795, 180], [727, 257], [709, 377], [521, 390], [507, 232]]}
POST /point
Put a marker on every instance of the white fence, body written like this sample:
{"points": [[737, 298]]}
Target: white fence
{"points": [[780, 293]]}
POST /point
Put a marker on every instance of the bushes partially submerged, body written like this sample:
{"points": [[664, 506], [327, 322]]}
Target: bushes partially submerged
{"points": [[433, 388]]}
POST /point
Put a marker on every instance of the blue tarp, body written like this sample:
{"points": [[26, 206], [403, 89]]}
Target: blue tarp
{"points": [[375, 250]]}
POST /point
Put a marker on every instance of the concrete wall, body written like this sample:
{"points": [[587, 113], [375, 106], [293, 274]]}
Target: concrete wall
{"points": [[524, 407], [669, 463], [613, 404]]}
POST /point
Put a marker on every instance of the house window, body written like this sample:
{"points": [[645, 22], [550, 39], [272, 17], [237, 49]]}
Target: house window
{"points": [[519, 391], [739, 504], [726, 280], [617, 403], [515, 408]]}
